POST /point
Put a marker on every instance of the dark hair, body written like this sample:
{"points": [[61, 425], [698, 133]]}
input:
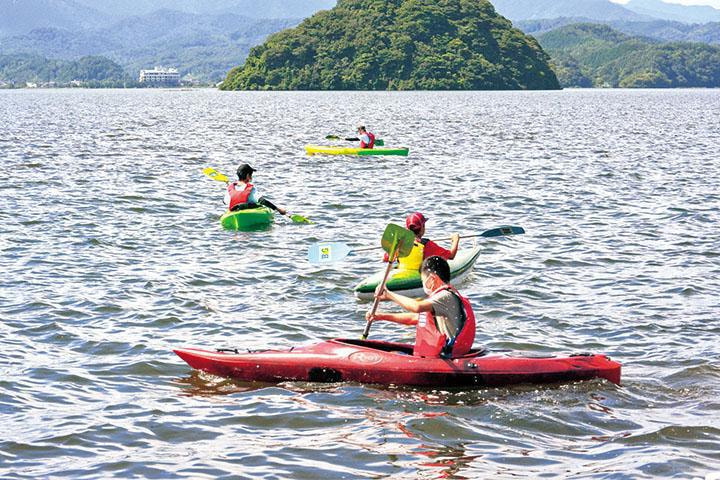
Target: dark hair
{"points": [[437, 265], [244, 170]]}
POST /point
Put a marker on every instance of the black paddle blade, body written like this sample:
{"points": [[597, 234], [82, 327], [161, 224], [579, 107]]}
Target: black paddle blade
{"points": [[504, 230]]}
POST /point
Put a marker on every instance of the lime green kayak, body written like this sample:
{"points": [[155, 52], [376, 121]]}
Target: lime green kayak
{"points": [[249, 219], [408, 283], [328, 150]]}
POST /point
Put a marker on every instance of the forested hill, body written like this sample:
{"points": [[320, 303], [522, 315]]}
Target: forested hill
{"points": [[91, 71], [587, 55], [665, 30], [398, 44]]}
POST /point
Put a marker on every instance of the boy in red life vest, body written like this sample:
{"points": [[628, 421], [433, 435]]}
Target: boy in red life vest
{"points": [[424, 248], [242, 194], [367, 139], [444, 321]]}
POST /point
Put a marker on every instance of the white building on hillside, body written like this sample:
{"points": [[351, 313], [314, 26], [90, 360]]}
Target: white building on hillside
{"points": [[168, 77]]}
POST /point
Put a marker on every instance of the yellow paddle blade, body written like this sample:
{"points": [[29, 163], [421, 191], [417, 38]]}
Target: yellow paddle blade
{"points": [[215, 175]]}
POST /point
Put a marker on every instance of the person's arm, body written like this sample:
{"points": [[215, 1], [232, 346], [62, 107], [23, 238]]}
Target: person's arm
{"points": [[454, 246], [401, 318], [432, 249], [409, 304], [269, 204]]}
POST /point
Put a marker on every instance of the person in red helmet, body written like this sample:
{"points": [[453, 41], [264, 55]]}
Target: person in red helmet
{"points": [[424, 248]]}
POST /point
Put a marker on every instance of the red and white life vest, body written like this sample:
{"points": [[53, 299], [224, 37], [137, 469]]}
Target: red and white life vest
{"points": [[239, 197], [372, 141], [430, 342]]}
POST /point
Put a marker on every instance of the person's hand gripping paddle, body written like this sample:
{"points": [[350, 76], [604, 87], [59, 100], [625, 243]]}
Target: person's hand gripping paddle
{"points": [[397, 242]]}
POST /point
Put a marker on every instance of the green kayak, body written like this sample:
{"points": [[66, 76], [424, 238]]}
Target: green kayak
{"points": [[250, 219], [408, 283]]}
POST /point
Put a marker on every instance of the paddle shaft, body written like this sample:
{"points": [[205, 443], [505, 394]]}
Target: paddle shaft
{"points": [[376, 301], [438, 240], [378, 141]]}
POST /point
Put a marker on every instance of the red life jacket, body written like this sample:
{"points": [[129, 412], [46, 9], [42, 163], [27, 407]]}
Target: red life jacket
{"points": [[430, 342], [372, 141], [239, 197]]}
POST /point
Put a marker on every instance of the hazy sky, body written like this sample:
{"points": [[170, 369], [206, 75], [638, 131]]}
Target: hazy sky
{"points": [[712, 3]]}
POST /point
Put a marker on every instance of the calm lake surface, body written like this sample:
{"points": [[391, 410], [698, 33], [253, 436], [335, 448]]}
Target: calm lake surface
{"points": [[111, 254]]}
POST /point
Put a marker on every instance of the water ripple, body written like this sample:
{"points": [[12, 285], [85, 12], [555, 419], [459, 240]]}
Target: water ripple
{"points": [[112, 255]]}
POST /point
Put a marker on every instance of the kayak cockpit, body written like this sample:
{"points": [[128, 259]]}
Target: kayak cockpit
{"points": [[398, 348]]}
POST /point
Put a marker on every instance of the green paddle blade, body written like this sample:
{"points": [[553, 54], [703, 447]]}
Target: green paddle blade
{"points": [[332, 137], [215, 175], [300, 219], [379, 142], [398, 238]]}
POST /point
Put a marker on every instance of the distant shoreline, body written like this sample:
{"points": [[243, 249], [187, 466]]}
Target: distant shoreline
{"points": [[181, 89]]}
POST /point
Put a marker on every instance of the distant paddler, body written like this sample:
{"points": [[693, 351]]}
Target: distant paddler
{"points": [[242, 195], [366, 139]]}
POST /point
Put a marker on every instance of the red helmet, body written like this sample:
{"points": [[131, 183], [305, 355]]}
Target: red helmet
{"points": [[415, 221]]}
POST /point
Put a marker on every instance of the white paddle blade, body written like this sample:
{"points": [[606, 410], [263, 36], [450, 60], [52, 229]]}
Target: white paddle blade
{"points": [[327, 252]]}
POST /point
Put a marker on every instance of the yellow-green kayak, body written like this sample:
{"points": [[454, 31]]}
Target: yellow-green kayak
{"points": [[329, 150], [249, 219]]}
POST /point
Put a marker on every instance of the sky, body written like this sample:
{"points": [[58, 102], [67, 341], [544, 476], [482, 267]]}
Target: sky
{"points": [[712, 3]]}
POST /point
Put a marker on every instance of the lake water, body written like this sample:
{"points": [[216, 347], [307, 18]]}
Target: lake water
{"points": [[111, 255]]}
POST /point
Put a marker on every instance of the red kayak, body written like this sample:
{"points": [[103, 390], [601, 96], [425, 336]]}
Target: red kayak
{"points": [[386, 363]]}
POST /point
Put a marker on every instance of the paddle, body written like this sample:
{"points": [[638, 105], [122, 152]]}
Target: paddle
{"points": [[378, 142], [397, 242], [331, 252], [215, 175]]}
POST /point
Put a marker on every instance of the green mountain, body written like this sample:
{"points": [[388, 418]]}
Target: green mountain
{"points": [[398, 45], [99, 71], [246, 8], [595, 10], [665, 30], [21, 16], [596, 55], [674, 11], [204, 46]]}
